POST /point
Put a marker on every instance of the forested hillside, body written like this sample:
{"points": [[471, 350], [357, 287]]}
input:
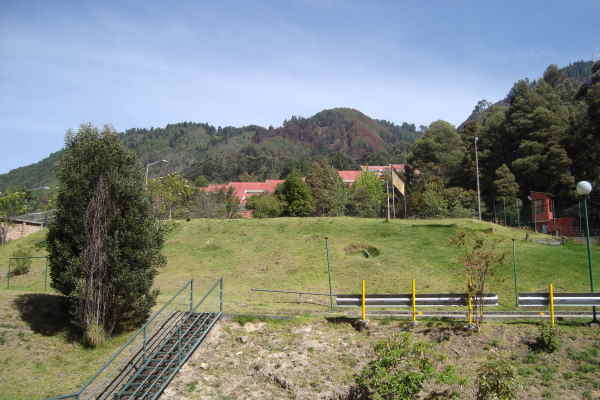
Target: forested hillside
{"points": [[343, 136], [545, 137]]}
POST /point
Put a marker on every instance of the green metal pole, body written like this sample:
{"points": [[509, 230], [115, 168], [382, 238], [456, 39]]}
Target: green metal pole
{"points": [[329, 275], [221, 295], [515, 271], [589, 253], [46, 275], [191, 295]]}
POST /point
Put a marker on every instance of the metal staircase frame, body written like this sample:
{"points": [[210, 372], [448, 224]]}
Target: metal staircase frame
{"points": [[171, 344]]}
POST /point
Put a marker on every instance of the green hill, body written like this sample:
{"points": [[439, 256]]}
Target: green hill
{"points": [[345, 136]]}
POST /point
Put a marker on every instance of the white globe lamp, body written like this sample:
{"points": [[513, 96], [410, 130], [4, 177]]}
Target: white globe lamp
{"points": [[584, 188]]}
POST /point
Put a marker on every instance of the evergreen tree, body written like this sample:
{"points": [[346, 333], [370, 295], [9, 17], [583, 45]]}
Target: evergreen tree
{"points": [[440, 152], [539, 121], [104, 245], [505, 183], [298, 200], [328, 189]]}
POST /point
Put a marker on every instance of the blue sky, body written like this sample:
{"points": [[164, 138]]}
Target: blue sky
{"points": [[143, 64]]}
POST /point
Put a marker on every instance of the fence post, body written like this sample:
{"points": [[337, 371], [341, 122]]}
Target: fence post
{"points": [[191, 295], [551, 298], [363, 305], [46, 275], [514, 249], [8, 276], [414, 300], [221, 294], [329, 275]]}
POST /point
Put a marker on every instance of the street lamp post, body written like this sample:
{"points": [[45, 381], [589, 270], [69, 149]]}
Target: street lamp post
{"points": [[151, 164], [584, 188], [477, 169]]}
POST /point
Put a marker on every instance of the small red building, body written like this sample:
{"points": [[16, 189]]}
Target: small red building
{"points": [[544, 218]]}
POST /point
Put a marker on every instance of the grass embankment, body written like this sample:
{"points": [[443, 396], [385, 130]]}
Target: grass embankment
{"points": [[39, 359], [289, 254]]}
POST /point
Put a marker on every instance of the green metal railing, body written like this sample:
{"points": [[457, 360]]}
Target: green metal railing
{"points": [[122, 366]]}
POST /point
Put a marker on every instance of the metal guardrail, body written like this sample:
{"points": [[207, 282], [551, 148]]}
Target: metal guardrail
{"points": [[560, 299], [406, 300], [125, 361]]}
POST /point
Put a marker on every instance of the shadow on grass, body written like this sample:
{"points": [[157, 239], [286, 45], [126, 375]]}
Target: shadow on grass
{"points": [[341, 320], [443, 329], [434, 226], [46, 314]]}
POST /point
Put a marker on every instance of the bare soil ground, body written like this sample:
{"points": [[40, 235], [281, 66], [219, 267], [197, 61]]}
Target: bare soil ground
{"points": [[318, 359]]}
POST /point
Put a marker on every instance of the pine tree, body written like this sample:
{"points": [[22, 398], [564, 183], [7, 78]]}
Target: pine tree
{"points": [[440, 152], [505, 183], [104, 245], [298, 200], [328, 190]]}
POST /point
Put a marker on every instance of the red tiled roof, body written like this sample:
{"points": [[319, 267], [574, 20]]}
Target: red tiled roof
{"points": [[243, 190], [349, 176]]}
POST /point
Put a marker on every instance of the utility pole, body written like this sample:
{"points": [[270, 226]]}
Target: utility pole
{"points": [[393, 193], [387, 189], [477, 171]]}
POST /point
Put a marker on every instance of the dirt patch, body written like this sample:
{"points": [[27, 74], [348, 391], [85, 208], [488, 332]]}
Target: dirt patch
{"points": [[364, 250], [318, 359]]}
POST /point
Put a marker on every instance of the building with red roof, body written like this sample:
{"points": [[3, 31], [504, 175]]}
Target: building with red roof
{"points": [[245, 190]]}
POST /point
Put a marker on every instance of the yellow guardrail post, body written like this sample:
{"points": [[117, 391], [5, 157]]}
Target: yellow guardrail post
{"points": [[414, 300], [551, 301], [363, 300], [470, 309]]}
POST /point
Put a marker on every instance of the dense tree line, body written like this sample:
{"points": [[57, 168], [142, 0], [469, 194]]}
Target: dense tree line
{"points": [[342, 137], [544, 137]]}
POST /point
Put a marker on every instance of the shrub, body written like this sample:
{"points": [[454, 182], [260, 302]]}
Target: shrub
{"points": [[265, 206], [549, 338], [496, 380], [21, 264], [399, 371]]}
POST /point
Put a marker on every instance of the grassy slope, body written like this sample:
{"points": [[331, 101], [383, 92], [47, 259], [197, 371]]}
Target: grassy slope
{"points": [[289, 253], [283, 253]]}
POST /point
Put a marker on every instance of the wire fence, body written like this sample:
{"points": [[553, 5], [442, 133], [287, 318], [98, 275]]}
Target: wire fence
{"points": [[25, 273]]}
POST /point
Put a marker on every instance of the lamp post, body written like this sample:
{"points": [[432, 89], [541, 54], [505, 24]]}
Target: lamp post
{"points": [[477, 169], [151, 164], [584, 188]]}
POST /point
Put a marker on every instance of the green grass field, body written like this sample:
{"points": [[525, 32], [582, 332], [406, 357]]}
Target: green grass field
{"points": [[39, 359]]}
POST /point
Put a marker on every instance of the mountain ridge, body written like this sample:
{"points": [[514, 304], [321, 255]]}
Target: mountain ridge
{"points": [[344, 135]]}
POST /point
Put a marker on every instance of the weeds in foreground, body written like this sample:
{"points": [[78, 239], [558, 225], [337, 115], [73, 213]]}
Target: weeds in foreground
{"points": [[401, 369], [548, 339], [497, 380]]}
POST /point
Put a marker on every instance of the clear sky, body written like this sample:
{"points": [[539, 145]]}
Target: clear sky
{"points": [[150, 63]]}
